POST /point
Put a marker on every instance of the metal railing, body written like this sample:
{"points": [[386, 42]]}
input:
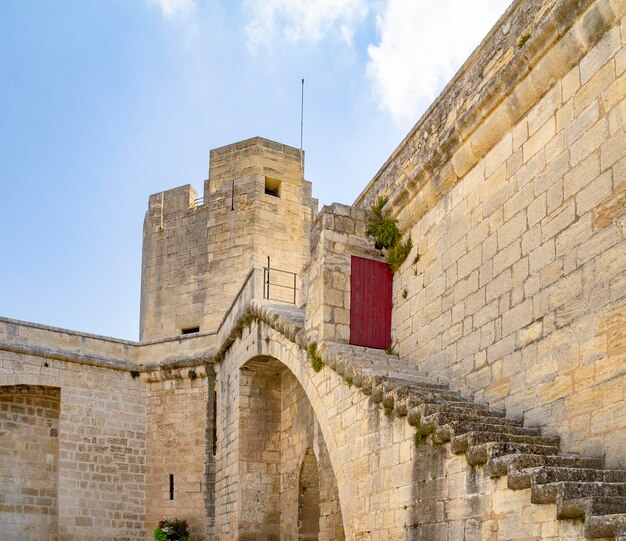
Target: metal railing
{"points": [[279, 285], [197, 202]]}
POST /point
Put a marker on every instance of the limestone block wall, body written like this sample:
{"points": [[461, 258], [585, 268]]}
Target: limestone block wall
{"points": [[338, 233], [196, 257], [175, 264], [101, 448], [29, 459], [180, 445], [520, 294]]}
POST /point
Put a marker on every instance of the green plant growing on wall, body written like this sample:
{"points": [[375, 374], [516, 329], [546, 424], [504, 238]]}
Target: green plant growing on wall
{"points": [[316, 361], [420, 437], [381, 228], [523, 40], [385, 233], [192, 374], [397, 254]]}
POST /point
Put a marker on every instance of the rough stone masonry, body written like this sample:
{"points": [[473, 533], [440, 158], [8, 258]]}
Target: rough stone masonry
{"points": [[498, 414]]}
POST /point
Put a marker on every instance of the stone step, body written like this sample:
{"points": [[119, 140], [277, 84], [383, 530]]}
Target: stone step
{"points": [[485, 452], [441, 419], [452, 429], [599, 526], [359, 371], [583, 507], [575, 490], [366, 377], [460, 444], [421, 392], [390, 392], [457, 409], [540, 475], [416, 412], [503, 465]]}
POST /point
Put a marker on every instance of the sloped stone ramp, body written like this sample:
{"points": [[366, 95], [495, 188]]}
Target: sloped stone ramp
{"points": [[579, 487]]}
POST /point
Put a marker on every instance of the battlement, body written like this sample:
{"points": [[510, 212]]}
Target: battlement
{"points": [[171, 202]]}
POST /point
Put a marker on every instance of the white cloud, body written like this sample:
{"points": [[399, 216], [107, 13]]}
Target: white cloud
{"points": [[422, 44], [308, 20], [173, 7]]}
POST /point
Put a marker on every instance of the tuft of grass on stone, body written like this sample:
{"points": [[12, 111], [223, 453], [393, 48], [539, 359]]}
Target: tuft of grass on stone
{"points": [[398, 253], [314, 357], [523, 40]]}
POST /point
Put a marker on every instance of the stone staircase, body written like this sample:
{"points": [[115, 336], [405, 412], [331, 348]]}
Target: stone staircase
{"points": [[580, 487]]}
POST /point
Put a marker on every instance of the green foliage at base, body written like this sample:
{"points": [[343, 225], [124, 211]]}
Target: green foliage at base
{"points": [[171, 530], [316, 361]]}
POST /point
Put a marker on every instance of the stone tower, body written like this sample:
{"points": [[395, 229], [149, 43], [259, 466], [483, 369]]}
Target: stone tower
{"points": [[197, 252]]}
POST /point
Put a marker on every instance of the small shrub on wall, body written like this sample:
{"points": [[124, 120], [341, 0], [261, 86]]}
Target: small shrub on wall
{"points": [[386, 235]]}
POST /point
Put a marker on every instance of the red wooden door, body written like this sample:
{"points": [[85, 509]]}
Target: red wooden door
{"points": [[371, 284]]}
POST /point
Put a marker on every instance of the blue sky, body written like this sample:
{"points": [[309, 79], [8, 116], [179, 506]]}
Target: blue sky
{"points": [[104, 102]]}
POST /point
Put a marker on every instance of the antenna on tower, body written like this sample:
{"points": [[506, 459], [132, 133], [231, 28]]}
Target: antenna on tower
{"points": [[302, 114], [302, 125]]}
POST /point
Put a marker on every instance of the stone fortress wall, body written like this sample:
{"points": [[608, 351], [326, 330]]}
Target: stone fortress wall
{"points": [[516, 200], [512, 187]]}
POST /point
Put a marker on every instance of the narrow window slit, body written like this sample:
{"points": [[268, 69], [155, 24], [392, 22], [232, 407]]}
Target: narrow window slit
{"points": [[171, 486], [214, 423]]}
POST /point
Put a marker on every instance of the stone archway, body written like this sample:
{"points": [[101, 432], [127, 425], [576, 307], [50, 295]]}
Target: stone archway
{"points": [[277, 428]]}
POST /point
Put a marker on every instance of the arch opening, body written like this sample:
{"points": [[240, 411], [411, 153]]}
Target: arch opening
{"points": [[281, 452], [309, 499]]}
